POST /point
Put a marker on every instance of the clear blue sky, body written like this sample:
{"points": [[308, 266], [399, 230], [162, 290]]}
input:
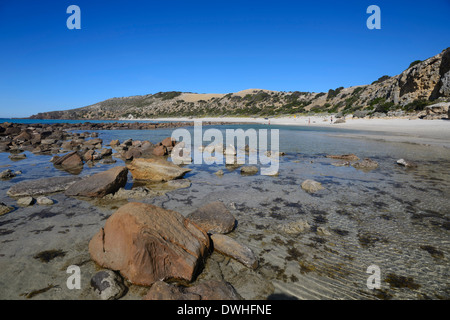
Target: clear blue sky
{"points": [[138, 47]]}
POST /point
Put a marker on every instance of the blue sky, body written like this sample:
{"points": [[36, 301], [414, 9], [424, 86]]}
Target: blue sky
{"points": [[132, 47]]}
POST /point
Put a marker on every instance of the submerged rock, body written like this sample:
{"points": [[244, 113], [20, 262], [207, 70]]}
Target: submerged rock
{"points": [[108, 285], [295, 227], [155, 170], [4, 209], [311, 186], [366, 164], [148, 243], [231, 248], [100, 184], [408, 164], [41, 186], [206, 290], [7, 174], [44, 201], [348, 157], [179, 183], [249, 170], [213, 217]]}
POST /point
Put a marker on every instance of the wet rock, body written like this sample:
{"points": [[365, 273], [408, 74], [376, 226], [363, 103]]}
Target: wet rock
{"points": [[155, 169], [44, 201], [321, 231], [25, 201], [341, 164], [18, 156], [179, 183], [161, 290], [68, 161], [114, 143], [148, 243], [408, 164], [249, 170], [213, 217], [231, 248], [311, 186], [132, 153], [105, 153], [160, 151], [348, 157], [41, 186], [168, 142], [219, 172], [206, 290], [7, 174], [295, 227], [4, 209], [108, 160], [94, 143], [100, 184], [89, 155], [135, 193], [108, 285], [365, 165]]}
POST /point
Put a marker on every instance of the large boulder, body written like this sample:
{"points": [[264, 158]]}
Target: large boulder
{"points": [[155, 169], [213, 218], [100, 184], [148, 243], [41, 186]]}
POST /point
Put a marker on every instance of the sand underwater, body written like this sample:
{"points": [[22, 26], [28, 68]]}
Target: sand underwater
{"points": [[394, 217]]}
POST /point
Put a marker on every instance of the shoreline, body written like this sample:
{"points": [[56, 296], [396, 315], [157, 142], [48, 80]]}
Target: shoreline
{"points": [[418, 131]]}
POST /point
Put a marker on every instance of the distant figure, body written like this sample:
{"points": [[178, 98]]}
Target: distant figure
{"points": [[331, 119], [309, 121]]}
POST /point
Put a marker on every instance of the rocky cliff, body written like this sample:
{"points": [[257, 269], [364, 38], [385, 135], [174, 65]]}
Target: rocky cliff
{"points": [[423, 83]]}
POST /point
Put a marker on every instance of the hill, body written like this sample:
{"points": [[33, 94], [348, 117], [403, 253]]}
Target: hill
{"points": [[421, 84]]}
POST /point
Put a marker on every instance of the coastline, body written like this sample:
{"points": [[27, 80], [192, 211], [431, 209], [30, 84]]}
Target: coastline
{"points": [[417, 131]]}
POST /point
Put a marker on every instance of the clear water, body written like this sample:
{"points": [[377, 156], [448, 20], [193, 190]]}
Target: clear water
{"points": [[392, 217]]}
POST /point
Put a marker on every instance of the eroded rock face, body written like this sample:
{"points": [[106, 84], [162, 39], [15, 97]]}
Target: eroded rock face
{"points": [[100, 184], [155, 169], [148, 243]]}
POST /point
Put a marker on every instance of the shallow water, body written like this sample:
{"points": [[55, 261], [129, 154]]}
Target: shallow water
{"points": [[392, 217]]}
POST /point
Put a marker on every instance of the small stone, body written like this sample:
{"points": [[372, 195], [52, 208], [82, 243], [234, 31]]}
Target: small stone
{"points": [[108, 285], [323, 231], [219, 173], [7, 174], [5, 208], [25, 201], [44, 201], [295, 227], [311, 186], [407, 164], [249, 170]]}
